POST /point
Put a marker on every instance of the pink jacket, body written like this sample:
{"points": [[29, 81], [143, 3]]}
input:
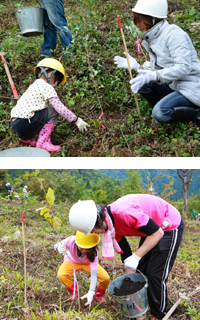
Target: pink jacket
{"points": [[72, 253], [134, 210]]}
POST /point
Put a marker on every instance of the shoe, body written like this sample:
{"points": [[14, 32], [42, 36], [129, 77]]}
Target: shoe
{"points": [[70, 52], [73, 292], [32, 141], [43, 56], [99, 296], [151, 317], [44, 138], [183, 114]]}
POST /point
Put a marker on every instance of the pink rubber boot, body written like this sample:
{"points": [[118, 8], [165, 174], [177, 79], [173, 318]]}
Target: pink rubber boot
{"points": [[71, 290], [99, 295], [44, 138], [32, 141]]}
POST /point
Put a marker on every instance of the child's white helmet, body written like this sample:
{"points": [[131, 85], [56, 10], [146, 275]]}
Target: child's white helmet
{"points": [[83, 216], [153, 8]]}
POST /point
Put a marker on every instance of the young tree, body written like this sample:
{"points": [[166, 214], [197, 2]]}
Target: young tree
{"points": [[3, 179], [133, 184], [186, 176]]}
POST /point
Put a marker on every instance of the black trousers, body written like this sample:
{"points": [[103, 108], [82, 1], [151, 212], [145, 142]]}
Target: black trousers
{"points": [[26, 129], [156, 265]]}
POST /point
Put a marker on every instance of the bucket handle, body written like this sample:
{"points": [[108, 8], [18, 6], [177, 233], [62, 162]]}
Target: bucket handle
{"points": [[146, 279], [19, 5]]}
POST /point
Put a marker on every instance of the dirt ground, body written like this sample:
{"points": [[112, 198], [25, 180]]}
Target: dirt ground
{"points": [[98, 141], [42, 263]]}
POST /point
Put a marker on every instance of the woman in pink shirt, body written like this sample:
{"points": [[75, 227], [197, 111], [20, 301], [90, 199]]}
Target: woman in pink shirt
{"points": [[155, 221], [80, 253]]}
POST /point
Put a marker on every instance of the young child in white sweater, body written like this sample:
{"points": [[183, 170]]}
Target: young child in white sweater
{"points": [[33, 114]]}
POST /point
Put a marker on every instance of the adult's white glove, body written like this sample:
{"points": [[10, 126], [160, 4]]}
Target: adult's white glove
{"points": [[122, 62], [145, 77], [132, 262], [61, 248], [89, 297], [82, 125]]}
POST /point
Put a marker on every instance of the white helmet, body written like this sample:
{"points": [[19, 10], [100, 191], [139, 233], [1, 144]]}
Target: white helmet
{"points": [[8, 184], [153, 8], [25, 187], [83, 216]]}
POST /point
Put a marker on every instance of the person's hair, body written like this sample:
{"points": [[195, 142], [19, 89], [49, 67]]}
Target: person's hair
{"points": [[58, 76], [99, 222], [90, 255], [147, 20]]}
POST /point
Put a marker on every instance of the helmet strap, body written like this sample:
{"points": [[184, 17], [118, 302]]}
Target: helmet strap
{"points": [[44, 71], [153, 20]]}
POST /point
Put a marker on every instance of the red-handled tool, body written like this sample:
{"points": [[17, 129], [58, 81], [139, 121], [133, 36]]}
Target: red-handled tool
{"points": [[14, 90]]}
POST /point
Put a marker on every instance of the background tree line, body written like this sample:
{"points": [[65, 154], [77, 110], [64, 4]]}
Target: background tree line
{"points": [[103, 186]]}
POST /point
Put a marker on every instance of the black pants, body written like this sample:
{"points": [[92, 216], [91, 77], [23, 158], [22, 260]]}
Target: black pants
{"points": [[156, 265], [27, 129]]}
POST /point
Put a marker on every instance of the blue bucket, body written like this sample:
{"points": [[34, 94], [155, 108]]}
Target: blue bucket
{"points": [[132, 305]]}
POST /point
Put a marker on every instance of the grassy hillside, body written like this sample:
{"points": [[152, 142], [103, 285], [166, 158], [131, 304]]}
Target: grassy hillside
{"points": [[94, 84], [47, 298]]}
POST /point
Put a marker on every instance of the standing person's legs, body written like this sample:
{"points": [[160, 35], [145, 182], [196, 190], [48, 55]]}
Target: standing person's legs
{"points": [[156, 265], [55, 22], [50, 31], [62, 26]]}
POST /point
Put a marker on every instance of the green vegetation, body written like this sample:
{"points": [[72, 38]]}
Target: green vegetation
{"points": [[95, 85], [47, 299], [103, 186]]}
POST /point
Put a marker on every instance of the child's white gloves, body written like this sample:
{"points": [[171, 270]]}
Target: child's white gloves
{"points": [[132, 262], [61, 248], [82, 125], [145, 77], [122, 62], [89, 297]]}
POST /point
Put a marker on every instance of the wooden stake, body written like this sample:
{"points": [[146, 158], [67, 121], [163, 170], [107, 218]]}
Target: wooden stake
{"points": [[173, 308], [24, 259], [129, 67]]}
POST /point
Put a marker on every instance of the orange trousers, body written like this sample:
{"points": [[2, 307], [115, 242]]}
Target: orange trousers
{"points": [[66, 270]]}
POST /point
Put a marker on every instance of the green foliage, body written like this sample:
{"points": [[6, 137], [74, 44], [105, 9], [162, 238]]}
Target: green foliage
{"points": [[46, 298], [94, 84], [50, 197], [103, 186], [133, 184]]}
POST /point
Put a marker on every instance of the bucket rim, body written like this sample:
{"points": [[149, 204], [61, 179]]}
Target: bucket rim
{"points": [[20, 9], [127, 275]]}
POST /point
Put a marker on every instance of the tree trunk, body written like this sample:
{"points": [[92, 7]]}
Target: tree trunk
{"points": [[186, 176]]}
